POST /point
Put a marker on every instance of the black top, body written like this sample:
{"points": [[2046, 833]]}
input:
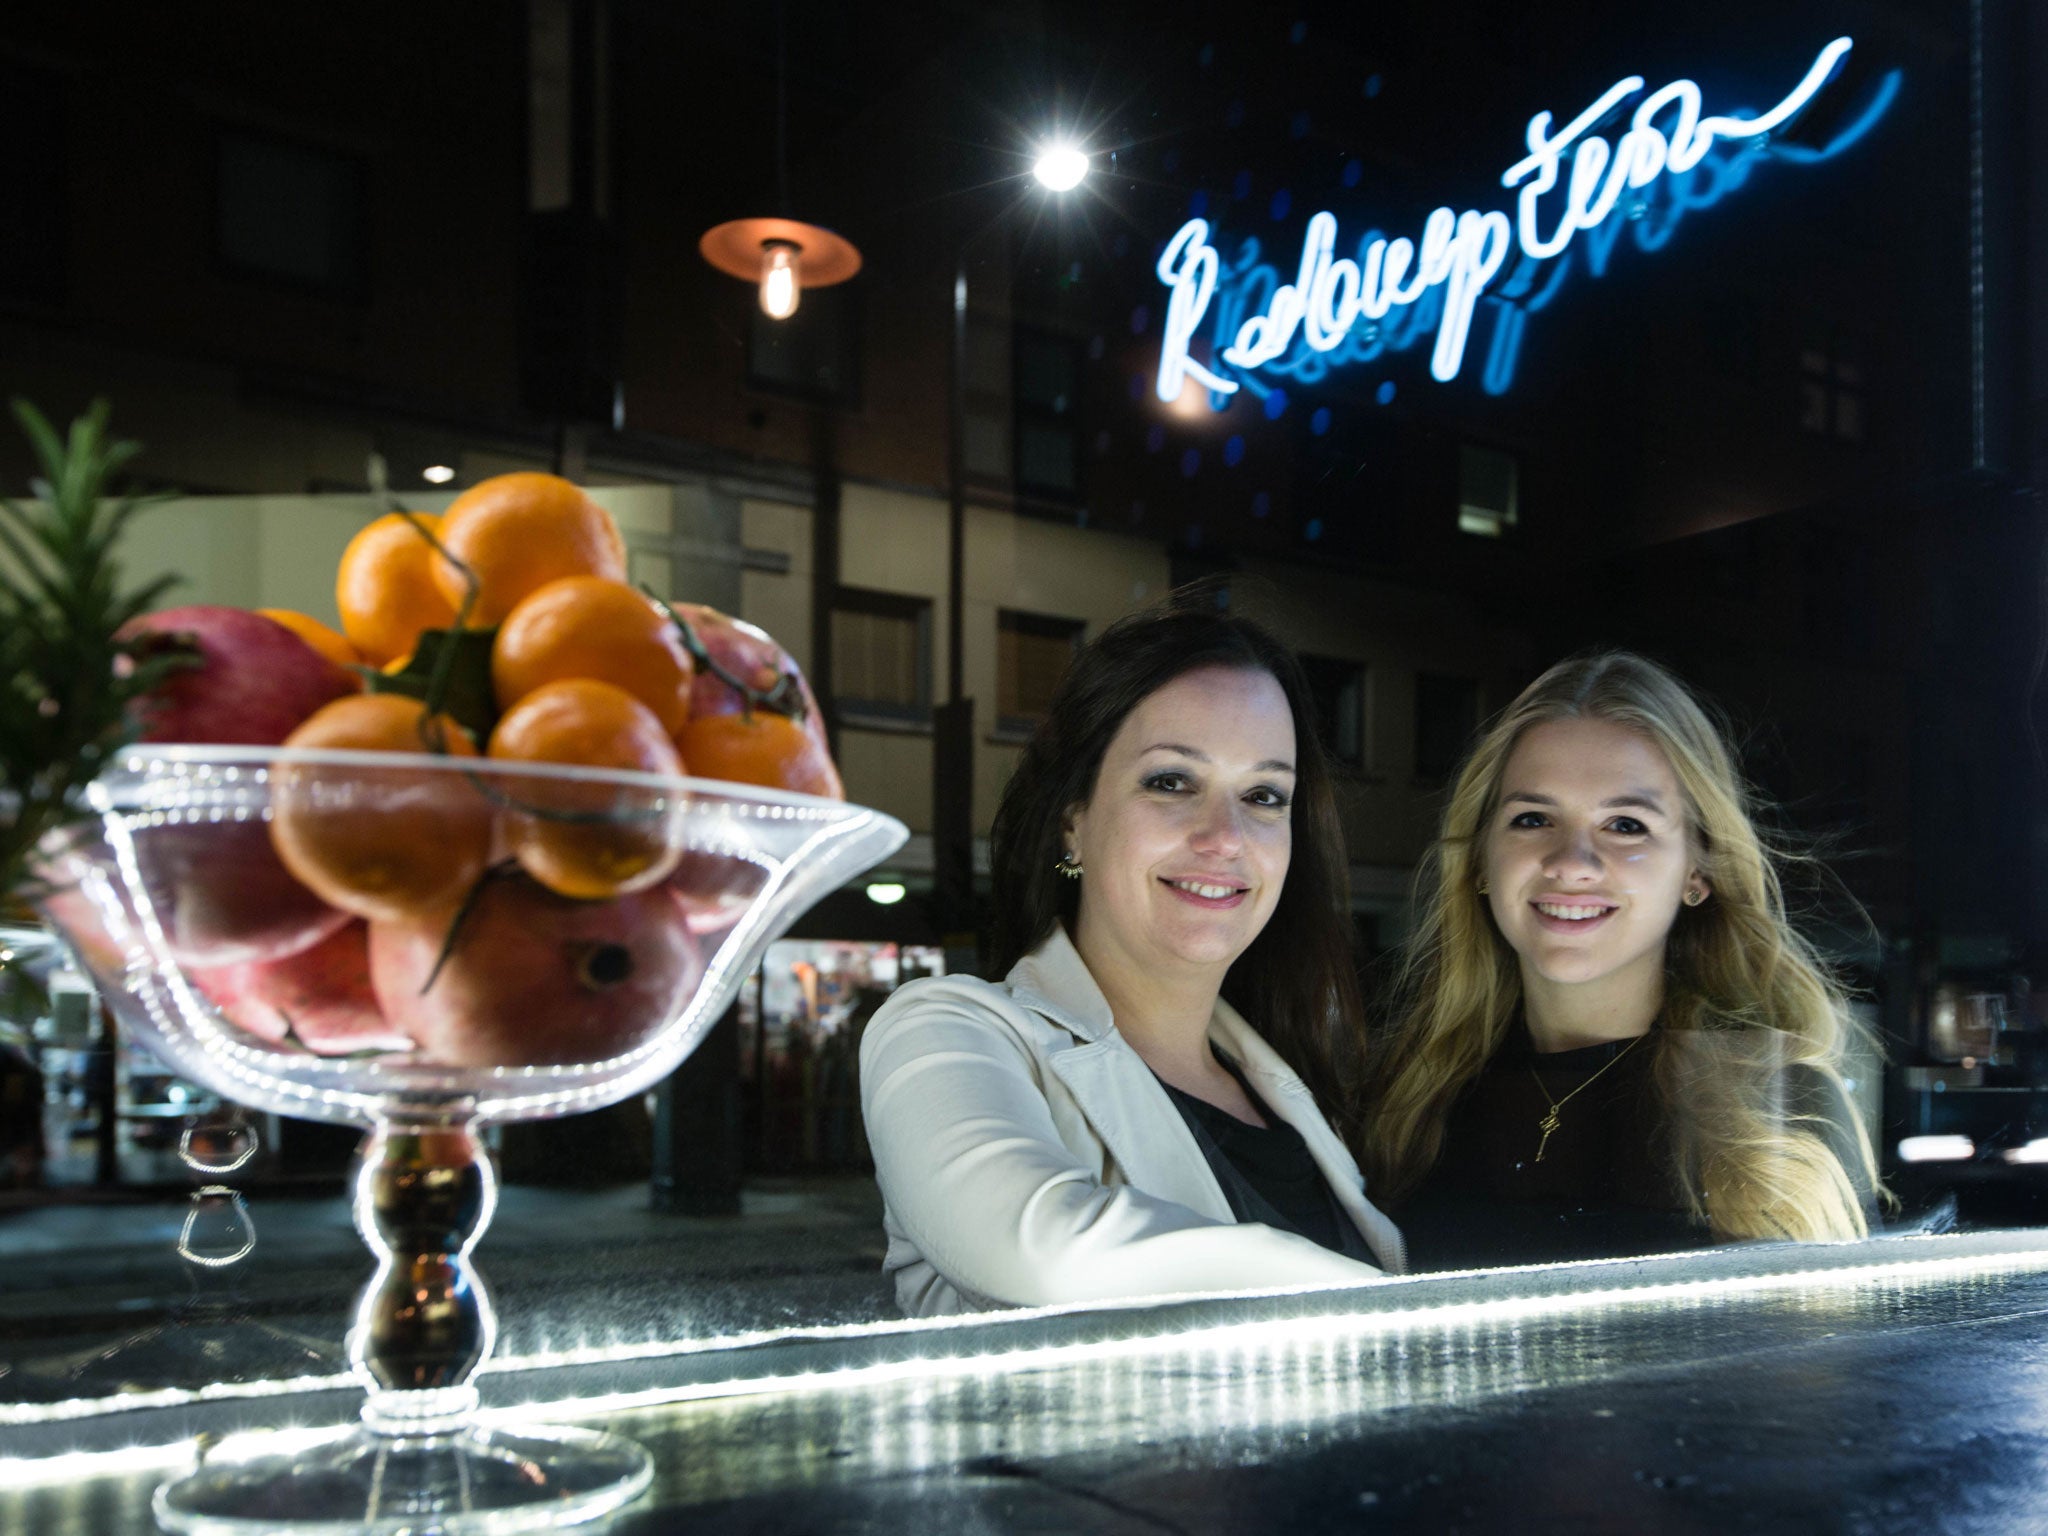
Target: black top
{"points": [[1604, 1188], [1267, 1172]]}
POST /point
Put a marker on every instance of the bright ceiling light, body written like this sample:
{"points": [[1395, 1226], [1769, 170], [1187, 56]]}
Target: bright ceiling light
{"points": [[1937, 1149], [885, 893], [437, 474], [1061, 168]]}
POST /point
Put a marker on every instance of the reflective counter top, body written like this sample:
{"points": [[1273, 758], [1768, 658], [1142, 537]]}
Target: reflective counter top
{"points": [[1896, 1384]]}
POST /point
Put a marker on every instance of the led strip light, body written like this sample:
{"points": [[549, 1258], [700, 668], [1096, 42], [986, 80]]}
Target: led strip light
{"points": [[21, 1472]]}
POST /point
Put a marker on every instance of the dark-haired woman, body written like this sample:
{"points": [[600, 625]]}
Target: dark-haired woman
{"points": [[1133, 1109]]}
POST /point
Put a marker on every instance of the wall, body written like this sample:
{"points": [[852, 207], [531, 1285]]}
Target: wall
{"points": [[895, 541], [1389, 810], [282, 551]]}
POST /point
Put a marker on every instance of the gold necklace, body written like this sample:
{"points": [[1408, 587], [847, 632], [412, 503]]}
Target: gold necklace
{"points": [[1548, 1124]]}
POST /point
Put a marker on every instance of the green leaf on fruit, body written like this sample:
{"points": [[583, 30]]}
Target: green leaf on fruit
{"points": [[462, 660]]}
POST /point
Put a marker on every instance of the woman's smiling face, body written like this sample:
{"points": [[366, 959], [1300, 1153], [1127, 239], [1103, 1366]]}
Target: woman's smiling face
{"points": [[1185, 841], [1588, 854]]}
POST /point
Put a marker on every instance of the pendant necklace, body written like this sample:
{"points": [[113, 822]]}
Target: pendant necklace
{"points": [[1548, 1124]]}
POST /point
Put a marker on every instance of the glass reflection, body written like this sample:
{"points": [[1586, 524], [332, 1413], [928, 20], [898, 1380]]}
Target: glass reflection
{"points": [[1245, 1395], [1768, 422]]}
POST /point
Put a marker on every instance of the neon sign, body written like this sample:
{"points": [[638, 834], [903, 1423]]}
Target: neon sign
{"points": [[1340, 309]]}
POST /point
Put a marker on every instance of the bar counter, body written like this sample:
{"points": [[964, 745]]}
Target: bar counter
{"points": [[1899, 1384]]}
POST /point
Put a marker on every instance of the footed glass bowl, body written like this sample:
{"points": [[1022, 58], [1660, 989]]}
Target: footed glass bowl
{"points": [[423, 945]]}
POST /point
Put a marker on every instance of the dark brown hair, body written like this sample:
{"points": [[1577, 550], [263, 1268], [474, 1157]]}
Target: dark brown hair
{"points": [[1296, 984]]}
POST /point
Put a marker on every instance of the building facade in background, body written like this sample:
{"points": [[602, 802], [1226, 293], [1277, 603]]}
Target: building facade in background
{"points": [[1779, 423]]}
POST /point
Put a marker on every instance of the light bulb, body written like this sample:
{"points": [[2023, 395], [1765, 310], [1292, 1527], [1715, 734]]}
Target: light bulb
{"points": [[1061, 168], [781, 279]]}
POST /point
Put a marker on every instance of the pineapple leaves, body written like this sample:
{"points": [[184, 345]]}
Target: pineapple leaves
{"points": [[66, 681]]}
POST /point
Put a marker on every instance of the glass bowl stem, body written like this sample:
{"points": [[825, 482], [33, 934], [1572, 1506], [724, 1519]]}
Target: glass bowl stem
{"points": [[425, 1188]]}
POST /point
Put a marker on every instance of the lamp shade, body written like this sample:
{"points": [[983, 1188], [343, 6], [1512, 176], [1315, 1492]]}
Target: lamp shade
{"points": [[735, 248]]}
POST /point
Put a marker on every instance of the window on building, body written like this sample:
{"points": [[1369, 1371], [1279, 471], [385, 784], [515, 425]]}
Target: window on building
{"points": [[1446, 715], [882, 658], [290, 212], [1032, 655], [1048, 435], [1830, 395], [549, 106], [985, 432], [814, 353], [1487, 490], [32, 175], [568, 67], [1340, 690]]}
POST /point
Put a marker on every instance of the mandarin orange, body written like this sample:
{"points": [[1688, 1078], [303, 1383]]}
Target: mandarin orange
{"points": [[328, 642], [589, 626], [589, 838], [516, 533], [385, 587], [760, 747], [383, 843]]}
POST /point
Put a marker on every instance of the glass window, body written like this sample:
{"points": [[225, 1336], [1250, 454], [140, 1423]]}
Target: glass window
{"points": [[289, 211], [1032, 655], [986, 436], [1830, 395], [548, 106], [1048, 420], [881, 657], [1339, 689], [1047, 456], [1486, 490]]}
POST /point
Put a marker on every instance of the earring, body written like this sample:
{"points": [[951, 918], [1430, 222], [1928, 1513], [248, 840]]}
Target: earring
{"points": [[1695, 896], [1069, 864]]}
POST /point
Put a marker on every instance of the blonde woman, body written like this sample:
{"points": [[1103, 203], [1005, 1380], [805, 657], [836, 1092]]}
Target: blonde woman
{"points": [[1609, 1040]]}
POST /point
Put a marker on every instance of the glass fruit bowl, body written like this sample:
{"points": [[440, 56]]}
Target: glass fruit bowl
{"points": [[425, 945]]}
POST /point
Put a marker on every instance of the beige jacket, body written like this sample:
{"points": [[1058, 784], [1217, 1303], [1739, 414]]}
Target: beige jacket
{"points": [[1028, 1157]]}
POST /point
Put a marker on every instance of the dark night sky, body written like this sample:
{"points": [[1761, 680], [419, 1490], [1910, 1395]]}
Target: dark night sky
{"points": [[1646, 402]]}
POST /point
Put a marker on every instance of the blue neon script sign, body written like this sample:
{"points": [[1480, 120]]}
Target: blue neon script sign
{"points": [[1340, 309]]}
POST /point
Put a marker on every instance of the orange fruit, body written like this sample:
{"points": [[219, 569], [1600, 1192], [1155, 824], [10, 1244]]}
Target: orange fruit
{"points": [[383, 843], [590, 626], [580, 838], [385, 588], [760, 748], [517, 533], [328, 642]]}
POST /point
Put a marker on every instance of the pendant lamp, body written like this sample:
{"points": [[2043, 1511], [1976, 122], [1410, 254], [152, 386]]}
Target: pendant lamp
{"points": [[782, 256]]}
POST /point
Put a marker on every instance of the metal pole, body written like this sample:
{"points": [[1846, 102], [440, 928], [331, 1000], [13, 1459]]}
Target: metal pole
{"points": [[953, 721], [956, 490]]}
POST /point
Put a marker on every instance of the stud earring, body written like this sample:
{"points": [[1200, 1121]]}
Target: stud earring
{"points": [[1069, 864], [1695, 896]]}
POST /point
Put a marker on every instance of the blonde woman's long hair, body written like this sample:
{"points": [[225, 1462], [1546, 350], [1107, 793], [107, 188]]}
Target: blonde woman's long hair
{"points": [[1746, 999]]}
